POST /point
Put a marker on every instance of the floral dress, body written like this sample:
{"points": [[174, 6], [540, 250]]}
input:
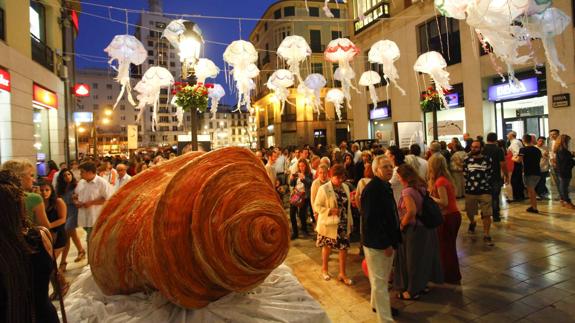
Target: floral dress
{"points": [[342, 240]]}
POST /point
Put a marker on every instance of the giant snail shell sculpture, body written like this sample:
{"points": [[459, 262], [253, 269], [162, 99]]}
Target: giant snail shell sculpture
{"points": [[196, 228]]}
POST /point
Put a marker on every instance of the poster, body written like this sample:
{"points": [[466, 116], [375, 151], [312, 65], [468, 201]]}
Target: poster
{"points": [[409, 133], [446, 128], [132, 136]]}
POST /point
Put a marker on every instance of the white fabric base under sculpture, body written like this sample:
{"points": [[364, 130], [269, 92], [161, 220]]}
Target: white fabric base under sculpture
{"points": [[280, 298]]}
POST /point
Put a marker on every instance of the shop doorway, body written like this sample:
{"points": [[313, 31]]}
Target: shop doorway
{"points": [[533, 125], [527, 116], [319, 137], [341, 135]]}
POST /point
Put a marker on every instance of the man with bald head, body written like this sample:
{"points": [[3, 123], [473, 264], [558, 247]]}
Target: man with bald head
{"points": [[123, 176]]}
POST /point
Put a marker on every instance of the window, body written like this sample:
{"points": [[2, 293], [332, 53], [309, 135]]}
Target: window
{"points": [[164, 119], [150, 43], [278, 14], [336, 13], [317, 68], [94, 85], [123, 118], [150, 53], [335, 34], [122, 107], [151, 62], [38, 21], [95, 106], [109, 86], [172, 64], [433, 38], [175, 128], [372, 11], [289, 11], [265, 26], [152, 138], [313, 11], [109, 97], [164, 138], [315, 41], [175, 136], [135, 118]]}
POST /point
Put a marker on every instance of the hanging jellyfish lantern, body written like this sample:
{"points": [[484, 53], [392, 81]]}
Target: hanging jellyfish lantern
{"points": [[145, 97], [126, 50], [326, 9], [205, 68], [336, 97], [153, 80], [386, 52], [370, 79], [215, 93], [294, 50], [452, 8], [278, 83], [342, 51], [546, 25], [186, 37], [434, 64], [241, 56], [310, 90]]}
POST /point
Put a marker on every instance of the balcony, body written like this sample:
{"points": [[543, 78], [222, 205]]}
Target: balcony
{"points": [[2, 27], [42, 54]]}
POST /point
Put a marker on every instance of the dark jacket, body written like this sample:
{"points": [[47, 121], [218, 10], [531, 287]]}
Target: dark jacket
{"points": [[380, 219], [565, 163], [306, 182]]}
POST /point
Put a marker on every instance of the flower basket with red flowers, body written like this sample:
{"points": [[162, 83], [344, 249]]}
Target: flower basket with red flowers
{"points": [[188, 96], [430, 100]]}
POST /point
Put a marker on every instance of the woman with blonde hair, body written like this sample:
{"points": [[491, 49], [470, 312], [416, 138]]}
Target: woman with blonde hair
{"points": [[440, 185], [335, 222], [565, 163]]}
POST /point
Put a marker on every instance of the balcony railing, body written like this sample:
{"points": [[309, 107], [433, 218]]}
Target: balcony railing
{"points": [[2, 27], [42, 54]]}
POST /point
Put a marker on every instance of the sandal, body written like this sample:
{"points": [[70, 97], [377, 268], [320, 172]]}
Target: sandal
{"points": [[407, 298], [81, 256], [344, 280], [326, 276]]}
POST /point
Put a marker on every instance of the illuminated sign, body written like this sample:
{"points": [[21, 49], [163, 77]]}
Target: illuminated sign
{"points": [[506, 91], [80, 117], [452, 100], [44, 98], [379, 113], [4, 80], [82, 90]]}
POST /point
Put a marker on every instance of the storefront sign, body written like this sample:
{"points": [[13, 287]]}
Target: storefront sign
{"points": [[409, 133], [4, 80], [562, 100], [531, 111], [44, 98], [508, 91], [452, 100], [380, 113], [80, 117], [81, 90]]}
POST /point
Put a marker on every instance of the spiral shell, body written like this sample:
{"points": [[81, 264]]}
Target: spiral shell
{"points": [[195, 228]]}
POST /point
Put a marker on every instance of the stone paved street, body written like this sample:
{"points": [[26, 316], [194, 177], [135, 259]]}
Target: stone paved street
{"points": [[528, 276]]}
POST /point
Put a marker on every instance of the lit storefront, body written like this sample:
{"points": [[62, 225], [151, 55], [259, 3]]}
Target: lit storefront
{"points": [[380, 124], [450, 121], [522, 108], [5, 87], [45, 104]]}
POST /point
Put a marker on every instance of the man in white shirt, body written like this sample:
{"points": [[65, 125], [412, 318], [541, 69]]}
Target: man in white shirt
{"points": [[356, 153], [414, 159], [90, 195], [280, 166], [123, 176], [517, 176]]}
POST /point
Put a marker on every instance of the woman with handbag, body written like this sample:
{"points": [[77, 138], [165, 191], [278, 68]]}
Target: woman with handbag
{"points": [[334, 224], [417, 261], [301, 191]]}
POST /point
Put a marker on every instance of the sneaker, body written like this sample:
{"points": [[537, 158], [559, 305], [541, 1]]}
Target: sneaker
{"points": [[471, 228], [532, 210], [488, 241]]}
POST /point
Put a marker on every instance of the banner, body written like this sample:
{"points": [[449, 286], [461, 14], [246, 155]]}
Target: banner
{"points": [[132, 136], [409, 133]]}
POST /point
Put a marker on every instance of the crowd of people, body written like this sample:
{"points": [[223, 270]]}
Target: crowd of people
{"points": [[376, 195], [379, 193]]}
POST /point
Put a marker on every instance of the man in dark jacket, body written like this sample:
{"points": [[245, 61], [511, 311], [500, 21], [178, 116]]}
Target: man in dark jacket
{"points": [[381, 234]]}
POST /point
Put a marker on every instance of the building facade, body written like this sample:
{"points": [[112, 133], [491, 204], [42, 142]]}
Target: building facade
{"points": [[298, 124], [35, 66], [480, 101]]}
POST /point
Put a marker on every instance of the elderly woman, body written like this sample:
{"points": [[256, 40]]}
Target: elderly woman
{"points": [[335, 222], [26, 259], [34, 203]]}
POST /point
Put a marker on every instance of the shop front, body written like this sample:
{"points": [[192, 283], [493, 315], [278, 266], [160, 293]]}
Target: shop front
{"points": [[450, 120], [45, 105], [5, 141], [522, 108], [380, 124]]}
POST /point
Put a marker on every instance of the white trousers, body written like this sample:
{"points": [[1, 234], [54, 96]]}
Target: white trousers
{"points": [[379, 267]]}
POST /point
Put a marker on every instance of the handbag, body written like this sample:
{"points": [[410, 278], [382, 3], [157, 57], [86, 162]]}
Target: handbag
{"points": [[430, 215], [297, 198]]}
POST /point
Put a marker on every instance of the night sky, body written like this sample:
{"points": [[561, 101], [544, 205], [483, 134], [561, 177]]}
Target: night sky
{"points": [[96, 33]]}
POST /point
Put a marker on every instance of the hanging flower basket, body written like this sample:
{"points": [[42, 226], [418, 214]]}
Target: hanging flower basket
{"points": [[430, 100], [188, 96]]}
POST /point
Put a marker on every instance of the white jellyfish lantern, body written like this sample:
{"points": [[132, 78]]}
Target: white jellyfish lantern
{"points": [[386, 52], [153, 80], [205, 68], [452, 8], [294, 50], [310, 90], [241, 56], [126, 50], [370, 79], [336, 97], [279, 82], [342, 51], [433, 64], [326, 9], [186, 37], [215, 93]]}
